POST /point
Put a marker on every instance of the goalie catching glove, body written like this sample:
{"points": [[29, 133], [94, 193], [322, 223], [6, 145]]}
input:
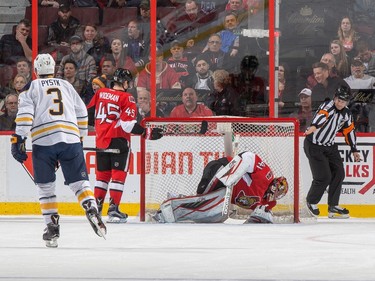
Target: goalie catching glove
{"points": [[260, 215], [18, 148], [153, 133]]}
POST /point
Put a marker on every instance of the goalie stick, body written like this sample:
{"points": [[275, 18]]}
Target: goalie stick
{"points": [[202, 131], [107, 150]]}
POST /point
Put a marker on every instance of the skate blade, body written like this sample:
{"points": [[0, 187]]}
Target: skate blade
{"points": [[116, 220], [52, 243], [98, 230], [337, 216]]}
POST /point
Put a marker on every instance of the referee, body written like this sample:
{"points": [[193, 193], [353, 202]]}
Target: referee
{"points": [[324, 158]]}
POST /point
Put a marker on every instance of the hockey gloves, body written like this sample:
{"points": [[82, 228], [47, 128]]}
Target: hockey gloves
{"points": [[18, 148], [153, 133]]}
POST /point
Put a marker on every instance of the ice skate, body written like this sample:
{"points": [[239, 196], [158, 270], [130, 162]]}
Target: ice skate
{"points": [[95, 219], [115, 216], [52, 232], [337, 212], [313, 208], [99, 202]]}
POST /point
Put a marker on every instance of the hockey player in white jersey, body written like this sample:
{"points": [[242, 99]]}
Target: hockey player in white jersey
{"points": [[56, 117]]}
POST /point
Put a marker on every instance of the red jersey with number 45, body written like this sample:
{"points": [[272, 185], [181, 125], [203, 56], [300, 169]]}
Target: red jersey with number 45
{"points": [[114, 111]]}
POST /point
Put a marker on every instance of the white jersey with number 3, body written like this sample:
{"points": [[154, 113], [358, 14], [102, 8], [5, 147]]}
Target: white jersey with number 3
{"points": [[53, 111]]}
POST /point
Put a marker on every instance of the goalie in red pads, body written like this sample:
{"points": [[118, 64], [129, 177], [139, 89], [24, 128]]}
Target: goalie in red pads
{"points": [[252, 185]]}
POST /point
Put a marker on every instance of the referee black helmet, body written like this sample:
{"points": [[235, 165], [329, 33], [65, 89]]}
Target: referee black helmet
{"points": [[343, 93]]}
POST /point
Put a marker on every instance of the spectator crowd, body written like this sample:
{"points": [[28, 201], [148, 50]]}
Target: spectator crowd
{"points": [[204, 66]]}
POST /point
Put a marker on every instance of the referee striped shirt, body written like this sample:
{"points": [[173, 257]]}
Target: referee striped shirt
{"points": [[329, 121]]}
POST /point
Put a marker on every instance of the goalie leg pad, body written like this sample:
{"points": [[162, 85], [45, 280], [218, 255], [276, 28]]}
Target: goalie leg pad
{"points": [[235, 169], [200, 209], [260, 215]]}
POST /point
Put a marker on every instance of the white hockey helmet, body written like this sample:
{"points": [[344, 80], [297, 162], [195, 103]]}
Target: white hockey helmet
{"points": [[44, 64]]}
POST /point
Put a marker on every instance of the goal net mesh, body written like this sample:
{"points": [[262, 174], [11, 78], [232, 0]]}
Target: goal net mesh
{"points": [[173, 165]]}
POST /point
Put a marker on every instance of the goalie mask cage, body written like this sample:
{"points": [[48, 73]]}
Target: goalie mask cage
{"points": [[174, 164]]}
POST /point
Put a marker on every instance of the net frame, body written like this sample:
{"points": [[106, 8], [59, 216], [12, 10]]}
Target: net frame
{"points": [[193, 124]]}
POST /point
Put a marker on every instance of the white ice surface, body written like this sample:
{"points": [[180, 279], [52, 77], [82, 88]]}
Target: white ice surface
{"points": [[325, 250]]}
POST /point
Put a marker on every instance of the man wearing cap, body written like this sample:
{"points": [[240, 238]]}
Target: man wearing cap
{"points": [[86, 63], [304, 113], [325, 160], [60, 31], [178, 61], [359, 81]]}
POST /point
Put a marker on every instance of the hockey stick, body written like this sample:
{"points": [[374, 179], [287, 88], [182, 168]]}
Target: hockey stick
{"points": [[202, 131], [107, 150]]}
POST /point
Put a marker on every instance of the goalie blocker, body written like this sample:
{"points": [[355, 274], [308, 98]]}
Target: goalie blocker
{"points": [[254, 188]]}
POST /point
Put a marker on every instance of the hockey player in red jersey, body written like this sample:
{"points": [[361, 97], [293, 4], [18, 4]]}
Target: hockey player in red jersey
{"points": [[253, 186], [115, 121]]}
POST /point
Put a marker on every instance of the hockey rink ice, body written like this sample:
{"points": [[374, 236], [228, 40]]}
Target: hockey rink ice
{"points": [[323, 250]]}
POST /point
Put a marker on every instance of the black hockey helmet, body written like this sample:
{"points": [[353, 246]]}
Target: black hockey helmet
{"points": [[249, 62], [343, 93], [121, 75]]}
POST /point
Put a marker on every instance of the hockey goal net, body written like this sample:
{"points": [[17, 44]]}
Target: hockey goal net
{"points": [[174, 163]]}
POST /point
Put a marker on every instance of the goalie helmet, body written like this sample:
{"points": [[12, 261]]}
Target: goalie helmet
{"points": [[44, 64], [277, 189], [121, 75]]}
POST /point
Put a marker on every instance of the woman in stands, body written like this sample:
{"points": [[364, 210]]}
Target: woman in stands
{"points": [[342, 59], [95, 44], [122, 61], [347, 35]]}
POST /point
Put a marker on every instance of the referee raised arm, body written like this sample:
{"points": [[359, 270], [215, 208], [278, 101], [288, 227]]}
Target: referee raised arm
{"points": [[324, 158]]}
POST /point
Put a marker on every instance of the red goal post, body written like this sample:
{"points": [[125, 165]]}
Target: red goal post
{"points": [[174, 163]]}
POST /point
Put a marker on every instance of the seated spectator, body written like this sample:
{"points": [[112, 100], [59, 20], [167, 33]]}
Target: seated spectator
{"points": [[166, 77], [223, 100], [326, 86], [342, 60], [286, 94], [108, 66], [347, 36], [190, 106], [330, 61], [16, 45], [178, 61], [251, 89], [19, 82], [70, 74], [229, 39], [191, 24], [117, 3], [359, 81], [7, 120], [135, 45], [65, 26], [366, 56], [217, 58], [304, 113], [6, 81], [201, 79], [94, 43], [51, 3], [120, 57], [24, 68], [86, 64], [144, 105], [238, 7]]}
